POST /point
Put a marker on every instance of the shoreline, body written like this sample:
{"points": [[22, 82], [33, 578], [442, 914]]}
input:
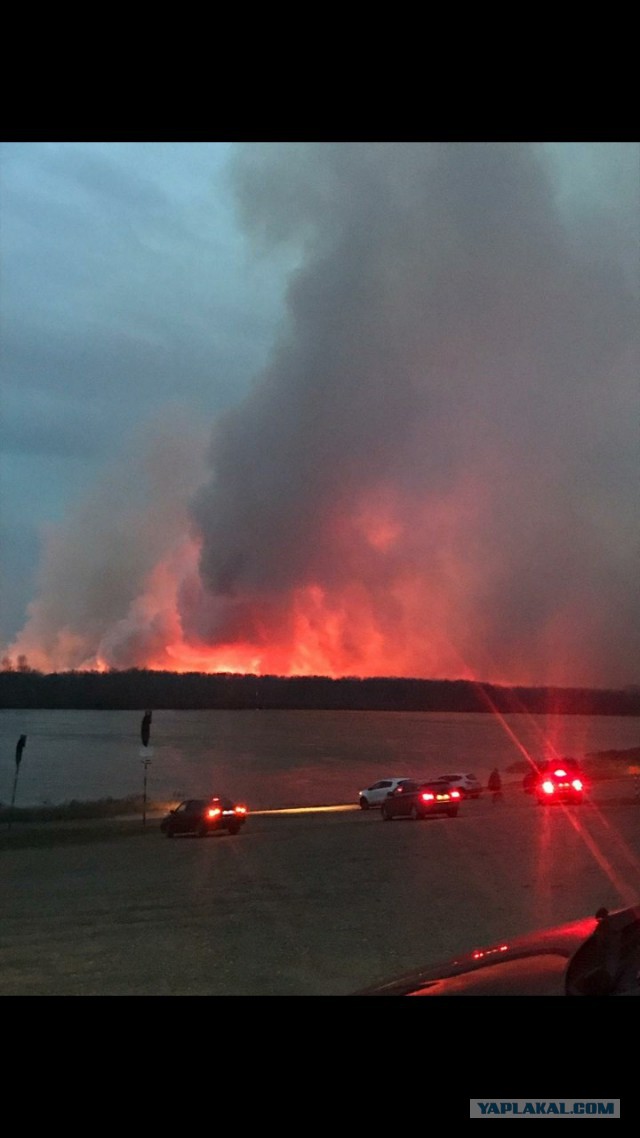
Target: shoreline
{"points": [[600, 766], [34, 832]]}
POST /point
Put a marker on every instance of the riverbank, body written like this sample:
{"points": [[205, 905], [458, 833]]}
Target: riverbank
{"points": [[34, 829], [103, 808], [600, 766]]}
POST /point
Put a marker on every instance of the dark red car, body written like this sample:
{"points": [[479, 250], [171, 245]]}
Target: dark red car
{"points": [[413, 799], [538, 772], [560, 780], [202, 816]]}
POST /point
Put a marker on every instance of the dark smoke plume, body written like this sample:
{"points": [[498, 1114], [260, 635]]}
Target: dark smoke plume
{"points": [[438, 473], [445, 445]]}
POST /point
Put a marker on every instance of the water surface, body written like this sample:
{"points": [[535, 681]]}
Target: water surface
{"points": [[273, 758]]}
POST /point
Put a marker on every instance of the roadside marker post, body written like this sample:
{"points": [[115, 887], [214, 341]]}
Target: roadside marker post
{"points": [[145, 732]]}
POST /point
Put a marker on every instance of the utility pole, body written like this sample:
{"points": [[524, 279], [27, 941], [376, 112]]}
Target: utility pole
{"points": [[145, 763]]}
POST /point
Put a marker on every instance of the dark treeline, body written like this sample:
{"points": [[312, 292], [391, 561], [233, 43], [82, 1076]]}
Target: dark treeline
{"points": [[141, 688]]}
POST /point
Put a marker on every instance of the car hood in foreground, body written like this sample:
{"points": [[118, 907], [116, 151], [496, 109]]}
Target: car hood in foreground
{"points": [[594, 956]]}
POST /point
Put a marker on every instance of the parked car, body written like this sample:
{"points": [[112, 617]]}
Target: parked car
{"points": [[416, 800], [561, 780], [375, 795], [532, 777], [470, 786], [202, 816]]}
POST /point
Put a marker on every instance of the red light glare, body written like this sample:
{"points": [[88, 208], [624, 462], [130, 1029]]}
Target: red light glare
{"points": [[478, 955], [213, 813], [427, 797], [576, 784], [560, 773], [240, 809], [455, 793], [548, 787]]}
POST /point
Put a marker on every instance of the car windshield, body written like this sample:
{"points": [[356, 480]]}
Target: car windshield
{"points": [[320, 461]]}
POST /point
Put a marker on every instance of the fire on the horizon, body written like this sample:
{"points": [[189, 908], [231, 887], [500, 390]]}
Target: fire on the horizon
{"points": [[434, 475]]}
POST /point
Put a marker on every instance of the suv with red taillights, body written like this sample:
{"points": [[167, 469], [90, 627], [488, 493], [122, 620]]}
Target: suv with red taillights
{"points": [[202, 816], [560, 780]]}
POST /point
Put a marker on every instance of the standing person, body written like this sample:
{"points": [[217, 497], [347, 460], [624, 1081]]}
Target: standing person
{"points": [[495, 785]]}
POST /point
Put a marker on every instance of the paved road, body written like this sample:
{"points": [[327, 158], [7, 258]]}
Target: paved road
{"points": [[302, 904]]}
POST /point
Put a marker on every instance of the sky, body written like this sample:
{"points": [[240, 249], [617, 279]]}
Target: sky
{"points": [[326, 408]]}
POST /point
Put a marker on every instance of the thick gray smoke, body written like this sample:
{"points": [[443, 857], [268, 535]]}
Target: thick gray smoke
{"points": [[438, 473], [446, 442], [95, 604]]}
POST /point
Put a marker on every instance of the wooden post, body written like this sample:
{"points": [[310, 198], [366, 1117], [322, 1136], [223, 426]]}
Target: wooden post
{"points": [[19, 749], [145, 763]]}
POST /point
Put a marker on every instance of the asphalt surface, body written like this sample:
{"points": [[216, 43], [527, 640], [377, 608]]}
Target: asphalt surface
{"points": [[309, 904]]}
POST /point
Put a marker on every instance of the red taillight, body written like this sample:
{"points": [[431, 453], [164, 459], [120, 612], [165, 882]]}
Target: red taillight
{"points": [[213, 812], [548, 787], [240, 809], [576, 784], [455, 793], [560, 773], [427, 797]]}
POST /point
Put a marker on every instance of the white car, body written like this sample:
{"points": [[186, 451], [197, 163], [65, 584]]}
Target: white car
{"points": [[375, 795], [467, 783]]}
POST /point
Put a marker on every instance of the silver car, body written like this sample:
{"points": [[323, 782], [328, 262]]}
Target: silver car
{"points": [[470, 786], [375, 794]]}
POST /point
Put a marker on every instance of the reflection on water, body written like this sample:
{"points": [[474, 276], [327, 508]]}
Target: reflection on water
{"points": [[273, 759]]}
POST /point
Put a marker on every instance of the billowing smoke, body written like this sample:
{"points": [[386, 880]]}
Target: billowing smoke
{"points": [[108, 575], [438, 473]]}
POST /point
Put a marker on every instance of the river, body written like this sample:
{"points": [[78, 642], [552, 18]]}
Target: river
{"points": [[274, 759]]}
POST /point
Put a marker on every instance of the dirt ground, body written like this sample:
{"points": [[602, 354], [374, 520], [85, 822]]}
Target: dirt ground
{"points": [[309, 904]]}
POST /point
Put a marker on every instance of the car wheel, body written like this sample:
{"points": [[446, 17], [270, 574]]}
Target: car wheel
{"points": [[168, 833], [415, 814], [201, 832], [452, 813], [386, 814], [364, 804]]}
